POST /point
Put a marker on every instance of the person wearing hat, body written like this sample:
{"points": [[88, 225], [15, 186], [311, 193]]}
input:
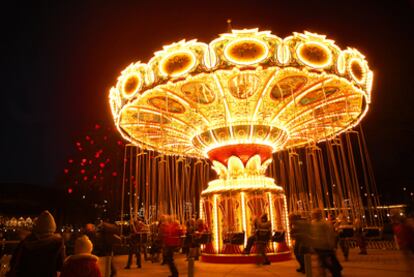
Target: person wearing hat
{"points": [[41, 253], [82, 263]]}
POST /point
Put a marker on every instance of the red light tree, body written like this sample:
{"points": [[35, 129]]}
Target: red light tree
{"points": [[92, 175]]}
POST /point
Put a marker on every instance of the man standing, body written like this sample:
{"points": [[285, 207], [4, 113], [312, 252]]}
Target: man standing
{"points": [[299, 230], [133, 246]]}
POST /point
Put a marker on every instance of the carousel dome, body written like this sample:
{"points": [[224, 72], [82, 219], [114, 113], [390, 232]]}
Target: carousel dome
{"points": [[247, 87]]}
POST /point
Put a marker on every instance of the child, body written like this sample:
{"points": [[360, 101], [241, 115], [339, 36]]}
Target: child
{"points": [[82, 263]]}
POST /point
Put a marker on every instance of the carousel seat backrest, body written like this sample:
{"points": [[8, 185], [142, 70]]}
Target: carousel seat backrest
{"points": [[236, 238], [372, 232], [263, 235], [346, 231], [205, 238], [278, 236]]}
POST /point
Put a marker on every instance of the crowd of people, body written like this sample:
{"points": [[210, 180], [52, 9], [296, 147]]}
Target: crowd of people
{"points": [[43, 252], [323, 236]]}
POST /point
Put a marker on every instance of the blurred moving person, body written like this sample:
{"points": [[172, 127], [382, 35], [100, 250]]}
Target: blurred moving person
{"points": [[323, 242]]}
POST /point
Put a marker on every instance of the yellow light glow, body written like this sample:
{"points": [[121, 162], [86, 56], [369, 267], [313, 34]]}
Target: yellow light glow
{"points": [[242, 183], [306, 61], [211, 97], [370, 81], [131, 85], [215, 222], [283, 53], [243, 207], [359, 79], [285, 213], [272, 214], [201, 215], [341, 63], [174, 56], [242, 41]]}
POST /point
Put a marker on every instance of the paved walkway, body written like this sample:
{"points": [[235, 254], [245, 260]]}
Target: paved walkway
{"points": [[378, 263]]}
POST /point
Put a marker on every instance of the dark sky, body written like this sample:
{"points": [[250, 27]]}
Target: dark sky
{"points": [[61, 58]]}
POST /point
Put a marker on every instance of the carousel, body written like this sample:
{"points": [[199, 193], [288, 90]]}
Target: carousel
{"points": [[237, 102]]}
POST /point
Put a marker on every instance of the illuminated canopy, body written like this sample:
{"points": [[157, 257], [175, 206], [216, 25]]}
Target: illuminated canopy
{"points": [[245, 87]]}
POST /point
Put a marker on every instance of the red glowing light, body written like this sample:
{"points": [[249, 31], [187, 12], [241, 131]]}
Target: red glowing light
{"points": [[88, 137], [70, 161], [119, 142], [82, 171], [97, 126], [83, 160], [114, 173], [94, 177], [102, 165], [85, 178], [70, 190], [92, 142], [66, 170], [78, 143]]}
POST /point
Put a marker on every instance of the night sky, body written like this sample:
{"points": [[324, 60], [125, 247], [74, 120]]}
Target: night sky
{"points": [[60, 59]]}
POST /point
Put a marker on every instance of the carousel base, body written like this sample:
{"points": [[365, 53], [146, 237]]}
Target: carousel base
{"points": [[243, 258]]}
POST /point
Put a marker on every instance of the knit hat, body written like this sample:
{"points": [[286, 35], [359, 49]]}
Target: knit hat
{"points": [[44, 224], [83, 245]]}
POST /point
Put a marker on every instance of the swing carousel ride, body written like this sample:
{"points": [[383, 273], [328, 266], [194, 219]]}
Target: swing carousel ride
{"points": [[239, 101]]}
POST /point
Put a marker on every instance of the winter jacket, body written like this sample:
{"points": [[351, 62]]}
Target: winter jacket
{"points": [[171, 234], [264, 230], [106, 237], [323, 235], [81, 265], [404, 233], [38, 256]]}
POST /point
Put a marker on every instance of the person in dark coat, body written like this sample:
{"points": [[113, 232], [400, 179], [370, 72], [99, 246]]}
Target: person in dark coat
{"points": [[41, 253], [138, 231], [299, 230], [323, 242], [251, 239], [171, 234], [82, 263], [263, 233], [107, 236]]}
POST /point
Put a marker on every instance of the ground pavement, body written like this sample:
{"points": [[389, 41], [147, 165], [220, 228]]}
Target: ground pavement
{"points": [[378, 263]]}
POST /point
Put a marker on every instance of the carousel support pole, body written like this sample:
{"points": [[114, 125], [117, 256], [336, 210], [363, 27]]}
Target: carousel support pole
{"points": [[136, 192], [123, 191]]}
